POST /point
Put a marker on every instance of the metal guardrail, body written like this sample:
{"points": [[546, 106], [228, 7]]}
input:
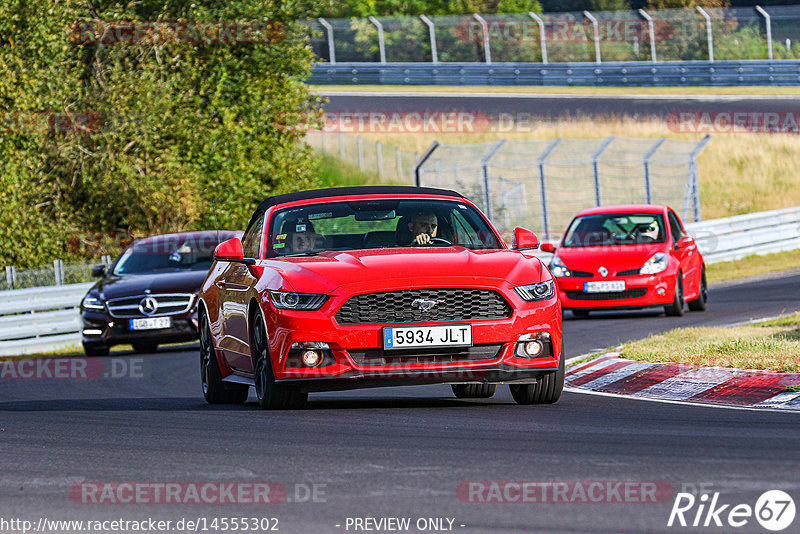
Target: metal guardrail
{"points": [[627, 73], [40, 319], [733, 238]]}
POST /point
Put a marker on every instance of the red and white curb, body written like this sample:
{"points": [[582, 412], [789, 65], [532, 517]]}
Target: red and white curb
{"points": [[608, 373]]}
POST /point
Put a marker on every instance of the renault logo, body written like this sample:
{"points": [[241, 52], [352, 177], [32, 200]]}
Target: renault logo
{"points": [[425, 305], [603, 271], [148, 305]]}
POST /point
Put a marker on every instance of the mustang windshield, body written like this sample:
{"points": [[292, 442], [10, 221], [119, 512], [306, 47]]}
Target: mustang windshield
{"points": [[367, 224], [616, 229], [166, 254]]}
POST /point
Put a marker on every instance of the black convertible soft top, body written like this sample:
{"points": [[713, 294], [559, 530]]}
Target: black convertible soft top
{"points": [[347, 191]]}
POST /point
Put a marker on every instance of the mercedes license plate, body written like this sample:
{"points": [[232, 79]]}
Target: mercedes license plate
{"points": [[150, 323]]}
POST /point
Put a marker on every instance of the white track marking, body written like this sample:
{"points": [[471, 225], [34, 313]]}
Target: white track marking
{"points": [[779, 399], [687, 384]]}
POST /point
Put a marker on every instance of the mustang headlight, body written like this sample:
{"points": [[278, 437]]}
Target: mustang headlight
{"points": [[92, 303], [559, 268], [655, 265], [286, 300], [540, 291]]}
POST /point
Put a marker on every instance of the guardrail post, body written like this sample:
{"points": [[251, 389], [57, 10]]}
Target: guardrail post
{"points": [[485, 167], [432, 36], [324, 142], [596, 171], [11, 276], [487, 53], [360, 143], [694, 183], [58, 272], [381, 44], [709, 35], [542, 35], [647, 194], [596, 32], [421, 161], [329, 31], [651, 31], [769, 29], [379, 155], [106, 260], [543, 187]]}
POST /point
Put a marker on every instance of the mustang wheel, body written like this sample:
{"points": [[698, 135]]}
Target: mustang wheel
{"points": [[676, 308], [546, 390], [474, 391], [215, 390], [699, 304], [271, 396]]}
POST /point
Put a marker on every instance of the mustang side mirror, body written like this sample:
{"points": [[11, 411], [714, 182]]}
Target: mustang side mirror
{"points": [[231, 250], [98, 271], [524, 239], [547, 247]]}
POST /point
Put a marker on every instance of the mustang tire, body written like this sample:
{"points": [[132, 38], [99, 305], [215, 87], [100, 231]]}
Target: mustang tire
{"points": [[546, 390], [271, 396], [474, 391], [215, 390]]}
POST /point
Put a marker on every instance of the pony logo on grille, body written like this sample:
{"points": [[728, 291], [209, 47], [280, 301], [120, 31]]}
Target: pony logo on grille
{"points": [[425, 305]]}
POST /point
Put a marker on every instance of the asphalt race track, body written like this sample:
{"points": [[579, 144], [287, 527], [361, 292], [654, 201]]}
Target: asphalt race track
{"points": [[398, 452], [551, 107]]}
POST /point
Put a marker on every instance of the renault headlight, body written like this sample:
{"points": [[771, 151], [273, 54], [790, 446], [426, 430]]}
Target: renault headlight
{"points": [[92, 303], [286, 300], [559, 268], [655, 265], [540, 291]]}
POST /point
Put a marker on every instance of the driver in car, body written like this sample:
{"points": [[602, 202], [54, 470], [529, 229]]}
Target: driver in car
{"points": [[423, 227]]}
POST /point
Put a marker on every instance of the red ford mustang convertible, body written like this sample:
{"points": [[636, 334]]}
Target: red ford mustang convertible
{"points": [[628, 257], [377, 286]]}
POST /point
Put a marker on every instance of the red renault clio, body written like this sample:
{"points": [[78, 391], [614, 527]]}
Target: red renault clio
{"points": [[628, 257], [377, 286]]}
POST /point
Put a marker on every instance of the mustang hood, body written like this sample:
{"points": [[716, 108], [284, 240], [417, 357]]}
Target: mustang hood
{"points": [[333, 269], [113, 287], [618, 258]]}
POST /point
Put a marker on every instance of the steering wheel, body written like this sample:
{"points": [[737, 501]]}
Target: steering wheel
{"points": [[434, 241]]}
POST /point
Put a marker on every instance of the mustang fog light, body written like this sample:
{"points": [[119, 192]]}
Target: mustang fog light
{"points": [[311, 358], [534, 345], [661, 292], [533, 348]]}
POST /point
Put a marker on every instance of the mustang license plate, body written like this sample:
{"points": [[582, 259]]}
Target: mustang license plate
{"points": [[454, 335], [151, 323], [604, 287]]}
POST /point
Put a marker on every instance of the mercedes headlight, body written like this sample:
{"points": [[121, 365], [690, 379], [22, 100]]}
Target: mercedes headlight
{"points": [[540, 291], [286, 300], [92, 303], [654, 265], [559, 268]]}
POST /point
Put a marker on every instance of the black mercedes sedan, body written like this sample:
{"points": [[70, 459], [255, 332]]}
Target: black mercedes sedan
{"points": [[149, 294]]}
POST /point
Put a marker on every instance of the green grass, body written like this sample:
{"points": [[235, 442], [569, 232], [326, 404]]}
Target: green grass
{"points": [[770, 345], [753, 266], [336, 173], [565, 90]]}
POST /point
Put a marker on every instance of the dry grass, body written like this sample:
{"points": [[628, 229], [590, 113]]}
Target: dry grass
{"points": [[534, 89], [753, 266], [739, 173], [746, 347]]}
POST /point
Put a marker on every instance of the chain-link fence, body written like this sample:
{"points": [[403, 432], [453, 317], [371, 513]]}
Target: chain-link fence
{"points": [[389, 163], [56, 274], [734, 33], [542, 184]]}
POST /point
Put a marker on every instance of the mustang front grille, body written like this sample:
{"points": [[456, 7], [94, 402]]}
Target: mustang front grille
{"points": [[423, 356], [627, 294], [424, 305], [158, 305]]}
